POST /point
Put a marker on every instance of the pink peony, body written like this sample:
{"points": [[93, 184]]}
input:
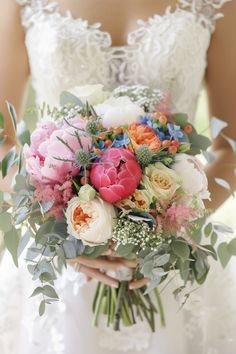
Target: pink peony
{"points": [[117, 176], [41, 156]]}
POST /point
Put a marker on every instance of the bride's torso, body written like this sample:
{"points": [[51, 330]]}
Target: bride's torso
{"points": [[166, 51]]}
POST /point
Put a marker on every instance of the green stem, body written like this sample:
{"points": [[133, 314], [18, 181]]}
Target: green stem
{"points": [[96, 296], [160, 307], [98, 306], [121, 293]]}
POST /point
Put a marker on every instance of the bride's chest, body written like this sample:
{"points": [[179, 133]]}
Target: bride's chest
{"points": [[63, 45]]}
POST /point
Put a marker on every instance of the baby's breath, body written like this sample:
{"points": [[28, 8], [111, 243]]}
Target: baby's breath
{"points": [[137, 233]]}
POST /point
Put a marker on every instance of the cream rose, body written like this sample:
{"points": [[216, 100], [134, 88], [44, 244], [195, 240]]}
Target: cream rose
{"points": [[90, 221], [193, 176], [93, 94], [161, 181], [118, 111], [140, 200]]}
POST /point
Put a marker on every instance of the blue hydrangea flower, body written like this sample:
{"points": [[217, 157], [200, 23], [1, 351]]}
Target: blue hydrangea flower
{"points": [[175, 131], [121, 140]]}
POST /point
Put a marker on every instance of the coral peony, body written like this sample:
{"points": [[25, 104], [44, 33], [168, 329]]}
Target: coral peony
{"points": [[117, 176], [143, 135]]}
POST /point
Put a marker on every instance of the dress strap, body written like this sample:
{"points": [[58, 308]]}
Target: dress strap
{"points": [[29, 8], [207, 11]]}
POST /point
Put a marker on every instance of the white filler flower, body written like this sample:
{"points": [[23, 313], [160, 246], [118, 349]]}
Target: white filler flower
{"points": [[118, 111]]}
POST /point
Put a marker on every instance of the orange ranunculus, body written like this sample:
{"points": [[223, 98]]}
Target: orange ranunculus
{"points": [[143, 135]]}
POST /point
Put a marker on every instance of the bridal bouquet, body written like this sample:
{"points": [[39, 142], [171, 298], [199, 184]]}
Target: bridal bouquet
{"points": [[117, 175]]}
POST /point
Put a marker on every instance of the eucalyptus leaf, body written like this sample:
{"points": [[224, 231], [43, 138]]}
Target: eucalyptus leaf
{"points": [[11, 239], [5, 222], [208, 229], [147, 268], [23, 133], [8, 161], [13, 116], [50, 292], [24, 242], [223, 228], [37, 291], [232, 247], [1, 123], [181, 249], [224, 254], [125, 250], [180, 119], [217, 125], [68, 98], [42, 307], [69, 249], [161, 260], [214, 238]]}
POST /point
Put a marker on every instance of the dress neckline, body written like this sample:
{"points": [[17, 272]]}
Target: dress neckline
{"points": [[53, 8]]}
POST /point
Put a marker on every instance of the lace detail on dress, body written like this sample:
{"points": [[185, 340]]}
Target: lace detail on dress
{"points": [[207, 11]]}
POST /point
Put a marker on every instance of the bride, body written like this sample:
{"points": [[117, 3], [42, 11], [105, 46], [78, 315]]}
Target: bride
{"points": [[177, 45]]}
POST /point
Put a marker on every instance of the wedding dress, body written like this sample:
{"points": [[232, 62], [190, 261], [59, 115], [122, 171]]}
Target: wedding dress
{"points": [[168, 52]]}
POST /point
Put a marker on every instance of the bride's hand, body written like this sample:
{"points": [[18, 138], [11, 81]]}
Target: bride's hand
{"points": [[92, 268]]}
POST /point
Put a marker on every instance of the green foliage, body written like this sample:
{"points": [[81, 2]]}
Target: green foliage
{"points": [[11, 239], [1, 123], [180, 249], [8, 161], [23, 133], [68, 98], [13, 116]]}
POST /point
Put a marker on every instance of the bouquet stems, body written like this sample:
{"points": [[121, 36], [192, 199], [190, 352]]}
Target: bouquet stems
{"points": [[125, 305]]}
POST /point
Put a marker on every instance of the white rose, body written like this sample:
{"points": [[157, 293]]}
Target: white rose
{"points": [[93, 94], [90, 221], [194, 180], [118, 111]]}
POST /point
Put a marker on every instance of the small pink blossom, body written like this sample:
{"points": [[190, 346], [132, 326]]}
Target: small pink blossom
{"points": [[178, 217]]}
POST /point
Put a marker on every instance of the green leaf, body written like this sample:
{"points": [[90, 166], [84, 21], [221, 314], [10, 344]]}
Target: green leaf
{"points": [[208, 229], [44, 229], [147, 268], [232, 247], [8, 161], [224, 254], [23, 133], [69, 249], [217, 125], [37, 291], [68, 98], [24, 241], [12, 112], [42, 307], [95, 252], [214, 238], [11, 239], [5, 222], [125, 250], [50, 292], [46, 277], [1, 123], [161, 260], [180, 119], [223, 228], [210, 249], [181, 249], [198, 142]]}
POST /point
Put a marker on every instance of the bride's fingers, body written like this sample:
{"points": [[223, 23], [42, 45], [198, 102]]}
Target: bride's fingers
{"points": [[96, 274], [97, 263], [130, 263], [136, 284]]}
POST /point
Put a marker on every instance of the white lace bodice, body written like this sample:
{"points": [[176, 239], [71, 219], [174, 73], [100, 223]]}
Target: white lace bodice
{"points": [[166, 52]]}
